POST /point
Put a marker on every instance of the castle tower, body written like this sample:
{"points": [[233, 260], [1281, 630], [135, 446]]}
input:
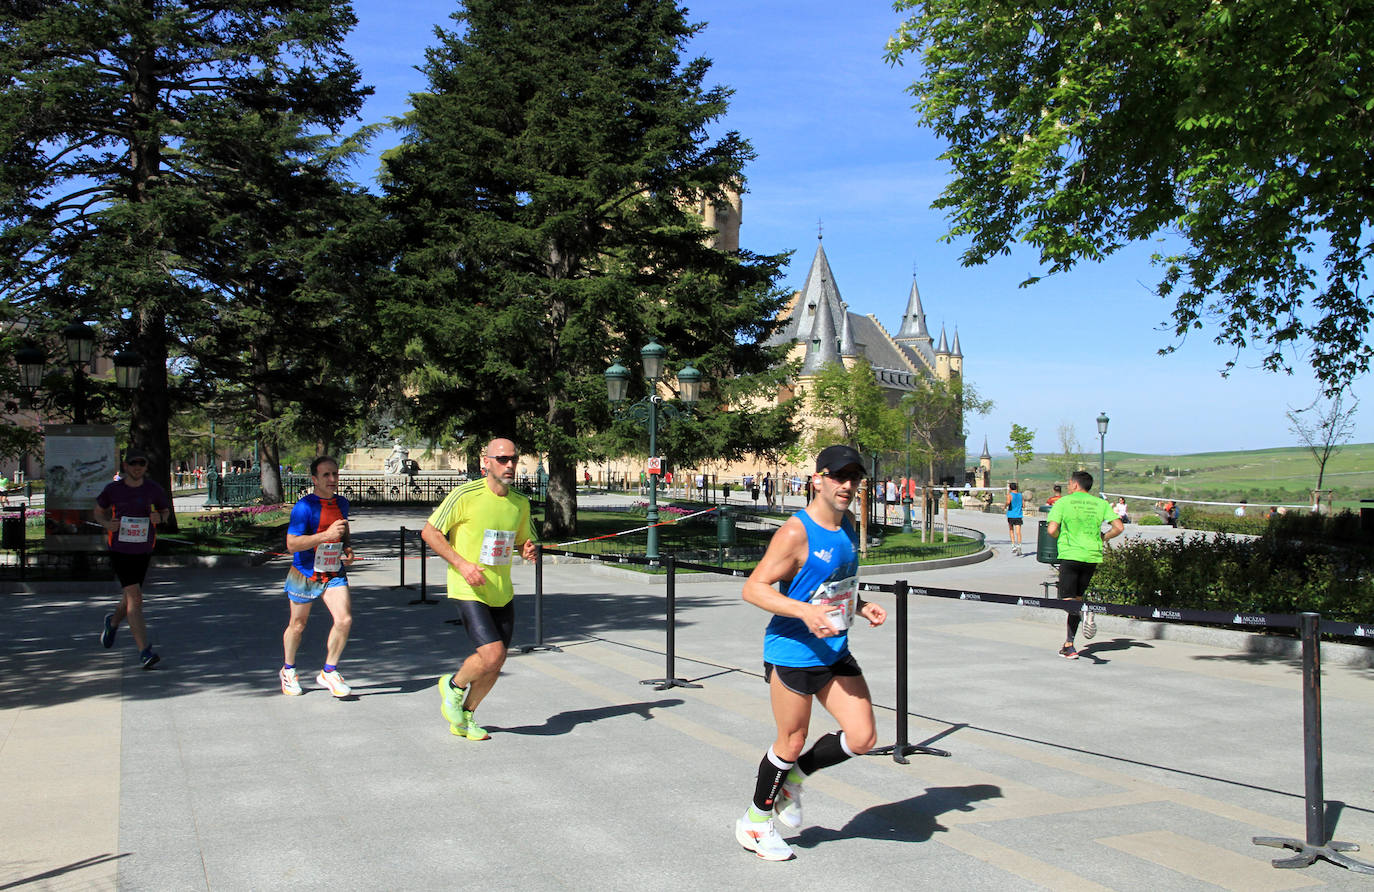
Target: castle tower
{"points": [[942, 358], [956, 357], [849, 350], [914, 319], [984, 467], [823, 347], [724, 216]]}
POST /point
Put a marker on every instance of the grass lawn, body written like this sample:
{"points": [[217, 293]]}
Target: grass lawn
{"points": [[1272, 476]]}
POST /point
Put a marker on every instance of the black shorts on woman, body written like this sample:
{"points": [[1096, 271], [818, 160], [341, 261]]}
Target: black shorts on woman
{"points": [[810, 680]]}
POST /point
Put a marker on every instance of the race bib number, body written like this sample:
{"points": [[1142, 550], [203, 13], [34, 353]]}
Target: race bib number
{"points": [[840, 598], [328, 557], [135, 529], [497, 548]]}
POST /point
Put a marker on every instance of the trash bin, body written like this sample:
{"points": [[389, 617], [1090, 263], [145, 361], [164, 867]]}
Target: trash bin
{"points": [[725, 528], [1046, 546], [12, 531]]}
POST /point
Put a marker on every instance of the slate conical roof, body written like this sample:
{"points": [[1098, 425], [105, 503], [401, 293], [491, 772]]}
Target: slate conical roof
{"points": [[847, 345], [944, 345], [986, 454], [955, 351], [820, 290], [914, 319], [822, 346]]}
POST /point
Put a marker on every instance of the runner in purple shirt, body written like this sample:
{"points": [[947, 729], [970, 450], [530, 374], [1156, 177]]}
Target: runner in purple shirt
{"points": [[130, 509]]}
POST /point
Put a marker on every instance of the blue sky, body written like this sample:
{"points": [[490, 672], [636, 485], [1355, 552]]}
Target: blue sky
{"points": [[838, 145]]}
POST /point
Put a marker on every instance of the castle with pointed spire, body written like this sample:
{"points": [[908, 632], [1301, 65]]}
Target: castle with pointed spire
{"points": [[822, 330]]}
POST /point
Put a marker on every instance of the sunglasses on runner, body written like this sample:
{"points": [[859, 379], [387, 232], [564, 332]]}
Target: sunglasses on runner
{"points": [[502, 459], [844, 476], [134, 462]]}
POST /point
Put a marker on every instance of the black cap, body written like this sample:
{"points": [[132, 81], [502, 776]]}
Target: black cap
{"points": [[834, 458], [134, 452]]}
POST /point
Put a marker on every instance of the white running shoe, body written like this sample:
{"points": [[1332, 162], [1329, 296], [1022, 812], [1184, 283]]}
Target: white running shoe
{"points": [[788, 805], [290, 684], [763, 839], [1089, 624], [334, 681]]}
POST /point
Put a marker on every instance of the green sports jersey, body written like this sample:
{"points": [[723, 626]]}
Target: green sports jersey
{"points": [[488, 530], [1080, 517]]}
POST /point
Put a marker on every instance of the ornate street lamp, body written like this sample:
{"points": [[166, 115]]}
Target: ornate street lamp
{"points": [[646, 412], [79, 340], [1102, 421]]}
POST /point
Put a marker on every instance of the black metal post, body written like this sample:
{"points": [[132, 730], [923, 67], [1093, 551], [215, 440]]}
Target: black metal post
{"points": [[1316, 845], [424, 575], [24, 541], [539, 606], [901, 749], [670, 679], [403, 562]]}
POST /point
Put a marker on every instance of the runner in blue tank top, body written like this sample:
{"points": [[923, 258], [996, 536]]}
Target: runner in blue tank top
{"points": [[1015, 514], [813, 559]]}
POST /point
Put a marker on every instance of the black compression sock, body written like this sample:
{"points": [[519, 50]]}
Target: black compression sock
{"points": [[772, 772], [829, 750]]}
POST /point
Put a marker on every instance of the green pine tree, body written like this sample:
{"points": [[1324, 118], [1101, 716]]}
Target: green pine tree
{"points": [[546, 188], [97, 100]]}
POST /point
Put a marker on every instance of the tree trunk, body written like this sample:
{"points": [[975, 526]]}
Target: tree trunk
{"points": [[560, 507], [268, 455], [148, 416], [151, 411]]}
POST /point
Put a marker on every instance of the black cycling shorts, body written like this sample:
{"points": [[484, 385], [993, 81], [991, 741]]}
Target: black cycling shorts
{"points": [[808, 680], [485, 624]]}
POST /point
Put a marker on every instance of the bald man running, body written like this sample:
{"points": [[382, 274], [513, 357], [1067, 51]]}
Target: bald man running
{"points": [[477, 530]]}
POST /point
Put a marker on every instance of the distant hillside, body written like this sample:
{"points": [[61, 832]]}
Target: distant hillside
{"points": [[1273, 476]]}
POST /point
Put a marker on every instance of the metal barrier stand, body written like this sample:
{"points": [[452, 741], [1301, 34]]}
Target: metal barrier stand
{"points": [[402, 583], [539, 607], [424, 577], [1317, 845], [670, 679], [902, 748]]}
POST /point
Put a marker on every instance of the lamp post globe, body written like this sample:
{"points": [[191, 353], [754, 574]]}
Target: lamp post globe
{"points": [[689, 385], [1102, 421], [652, 355], [617, 383], [30, 361], [128, 369], [80, 341]]}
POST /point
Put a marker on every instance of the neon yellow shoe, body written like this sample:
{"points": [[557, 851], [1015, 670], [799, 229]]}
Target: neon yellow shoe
{"points": [[451, 704], [470, 730]]}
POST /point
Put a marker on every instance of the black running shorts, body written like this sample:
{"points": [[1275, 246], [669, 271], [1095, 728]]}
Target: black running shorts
{"points": [[131, 569], [808, 680], [1074, 577], [485, 624]]}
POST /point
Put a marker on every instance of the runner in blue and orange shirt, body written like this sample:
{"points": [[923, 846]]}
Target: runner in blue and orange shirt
{"points": [[317, 537]]}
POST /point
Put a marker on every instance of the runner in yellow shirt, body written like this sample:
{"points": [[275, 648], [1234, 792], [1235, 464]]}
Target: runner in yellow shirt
{"points": [[478, 529]]}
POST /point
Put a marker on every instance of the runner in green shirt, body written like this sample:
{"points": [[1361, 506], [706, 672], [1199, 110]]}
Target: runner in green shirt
{"points": [[1076, 521]]}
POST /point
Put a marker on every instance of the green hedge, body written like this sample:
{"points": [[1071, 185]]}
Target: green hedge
{"points": [[1300, 563], [1252, 524]]}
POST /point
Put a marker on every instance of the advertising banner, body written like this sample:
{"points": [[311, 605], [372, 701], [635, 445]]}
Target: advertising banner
{"points": [[79, 460]]}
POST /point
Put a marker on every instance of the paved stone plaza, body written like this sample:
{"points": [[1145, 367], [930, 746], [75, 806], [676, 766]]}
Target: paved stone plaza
{"points": [[1146, 765]]}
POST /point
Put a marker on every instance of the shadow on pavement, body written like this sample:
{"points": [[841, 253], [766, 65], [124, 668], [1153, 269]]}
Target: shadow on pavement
{"points": [[222, 628], [911, 820], [566, 721]]}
